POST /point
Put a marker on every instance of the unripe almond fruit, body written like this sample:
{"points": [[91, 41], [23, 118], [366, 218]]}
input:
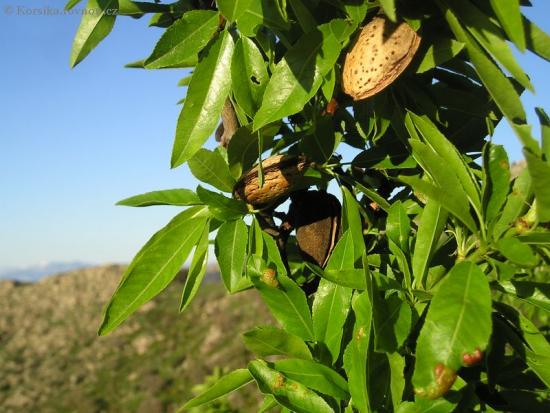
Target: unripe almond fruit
{"points": [[380, 54], [283, 174]]}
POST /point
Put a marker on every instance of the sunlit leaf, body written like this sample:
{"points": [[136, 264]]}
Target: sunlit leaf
{"points": [[180, 44], [458, 324], [298, 76], [154, 266], [179, 197], [226, 384], [206, 95], [271, 341], [95, 25], [287, 392]]}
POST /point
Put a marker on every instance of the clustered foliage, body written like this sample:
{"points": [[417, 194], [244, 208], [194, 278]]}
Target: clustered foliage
{"points": [[435, 293]]}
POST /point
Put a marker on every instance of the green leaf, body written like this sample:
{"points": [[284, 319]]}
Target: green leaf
{"points": [[389, 9], [248, 75], [398, 226], [517, 252], [535, 294], [197, 270], [516, 204], [221, 207], [447, 197], [509, 15], [544, 121], [271, 341], [179, 197], [262, 12], [427, 406], [154, 266], [450, 155], [491, 39], [315, 376], [332, 301], [538, 353], [285, 299], [392, 322], [180, 45], [355, 355], [500, 88], [288, 393], [351, 221], [440, 52], [211, 168], [206, 95], [432, 223], [305, 18], [348, 277], [497, 180], [94, 27], [319, 145], [298, 76], [356, 10], [233, 9], [458, 323], [539, 171], [226, 384], [231, 242], [537, 40], [71, 3], [397, 383]]}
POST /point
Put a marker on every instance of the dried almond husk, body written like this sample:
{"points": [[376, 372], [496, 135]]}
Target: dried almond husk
{"points": [[380, 54], [282, 175]]}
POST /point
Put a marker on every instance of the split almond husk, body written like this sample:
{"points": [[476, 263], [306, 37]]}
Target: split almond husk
{"points": [[282, 174], [380, 54]]}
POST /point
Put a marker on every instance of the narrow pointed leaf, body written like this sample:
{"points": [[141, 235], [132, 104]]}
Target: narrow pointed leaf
{"points": [[288, 393], [271, 341], [314, 375], [248, 75], [94, 27], [183, 40], [179, 197], [355, 356], [221, 207], [231, 242], [509, 15], [154, 266], [389, 8], [497, 180], [197, 270], [517, 203], [490, 38], [226, 384], [463, 300], [539, 171], [285, 299], [298, 76], [446, 197], [536, 39], [447, 151], [210, 167], [439, 52], [430, 228], [332, 301], [206, 95], [233, 9]]}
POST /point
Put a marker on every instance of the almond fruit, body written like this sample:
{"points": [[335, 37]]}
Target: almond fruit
{"points": [[283, 174], [380, 54]]}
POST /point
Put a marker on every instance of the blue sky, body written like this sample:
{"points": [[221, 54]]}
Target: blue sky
{"points": [[73, 142]]}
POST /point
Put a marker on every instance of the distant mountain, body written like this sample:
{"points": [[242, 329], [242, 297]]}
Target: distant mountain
{"points": [[52, 360], [35, 272]]}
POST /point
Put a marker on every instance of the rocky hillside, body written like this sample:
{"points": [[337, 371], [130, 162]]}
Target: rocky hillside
{"points": [[51, 359]]}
